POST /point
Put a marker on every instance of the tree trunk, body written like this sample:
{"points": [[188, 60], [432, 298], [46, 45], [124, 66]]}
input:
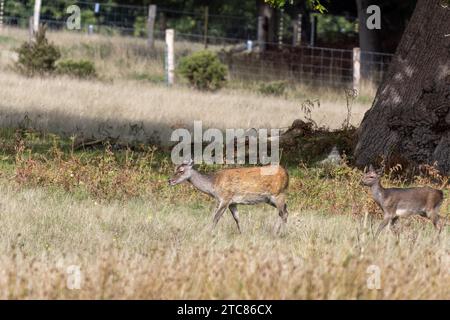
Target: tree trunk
{"points": [[268, 13], [409, 122], [306, 22], [369, 40]]}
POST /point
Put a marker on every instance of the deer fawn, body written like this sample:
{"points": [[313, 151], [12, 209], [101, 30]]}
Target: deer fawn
{"points": [[238, 186], [403, 202]]}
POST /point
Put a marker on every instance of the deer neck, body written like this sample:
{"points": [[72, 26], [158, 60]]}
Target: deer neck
{"points": [[377, 192], [203, 182]]}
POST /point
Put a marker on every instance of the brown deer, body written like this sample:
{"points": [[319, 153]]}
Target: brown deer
{"points": [[231, 187], [403, 202]]}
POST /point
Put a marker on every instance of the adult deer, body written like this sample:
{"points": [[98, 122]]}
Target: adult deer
{"points": [[231, 187], [403, 202]]}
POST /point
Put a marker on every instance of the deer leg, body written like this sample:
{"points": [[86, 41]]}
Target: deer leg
{"points": [[272, 203], [434, 216], [282, 208], [286, 213], [280, 203], [235, 213], [394, 227], [219, 212], [383, 224], [392, 224]]}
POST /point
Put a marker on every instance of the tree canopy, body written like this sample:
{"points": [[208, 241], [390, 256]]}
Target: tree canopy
{"points": [[314, 4]]}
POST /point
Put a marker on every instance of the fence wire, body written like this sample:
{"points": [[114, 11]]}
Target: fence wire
{"points": [[229, 35]]}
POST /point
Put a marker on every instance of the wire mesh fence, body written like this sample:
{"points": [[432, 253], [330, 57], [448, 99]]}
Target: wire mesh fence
{"points": [[234, 37], [308, 65]]}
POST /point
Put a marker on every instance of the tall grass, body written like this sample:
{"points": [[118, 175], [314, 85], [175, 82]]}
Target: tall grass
{"points": [[112, 215], [133, 110], [130, 101], [156, 250]]}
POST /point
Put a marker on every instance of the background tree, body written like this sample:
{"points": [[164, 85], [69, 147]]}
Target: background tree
{"points": [[409, 121]]}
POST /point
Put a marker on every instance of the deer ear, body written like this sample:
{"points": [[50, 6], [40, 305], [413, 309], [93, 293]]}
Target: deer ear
{"points": [[188, 162]]}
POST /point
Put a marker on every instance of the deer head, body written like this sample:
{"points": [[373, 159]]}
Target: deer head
{"points": [[182, 172], [371, 176]]}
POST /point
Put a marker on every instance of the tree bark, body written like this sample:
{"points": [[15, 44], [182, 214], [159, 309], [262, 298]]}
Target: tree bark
{"points": [[369, 40], [409, 121]]}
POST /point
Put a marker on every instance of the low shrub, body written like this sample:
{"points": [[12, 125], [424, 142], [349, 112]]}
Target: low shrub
{"points": [[275, 88], [77, 68], [153, 78], [203, 70], [37, 56]]}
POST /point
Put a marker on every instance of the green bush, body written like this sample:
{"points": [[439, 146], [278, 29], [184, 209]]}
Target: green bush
{"points": [[275, 88], [37, 56], [140, 26], [79, 69], [153, 78], [203, 70]]}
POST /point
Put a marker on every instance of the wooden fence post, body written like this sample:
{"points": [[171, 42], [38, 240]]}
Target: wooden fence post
{"points": [[356, 68], [36, 16], [261, 34], [151, 26], [170, 56]]}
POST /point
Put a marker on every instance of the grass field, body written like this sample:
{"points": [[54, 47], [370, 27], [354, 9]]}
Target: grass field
{"points": [[129, 100], [110, 214], [145, 249], [121, 108], [113, 216]]}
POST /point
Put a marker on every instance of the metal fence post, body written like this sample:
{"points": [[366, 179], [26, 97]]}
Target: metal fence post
{"points": [[356, 68], [151, 25], [297, 31], [281, 29], [2, 4], [205, 28], [170, 56]]}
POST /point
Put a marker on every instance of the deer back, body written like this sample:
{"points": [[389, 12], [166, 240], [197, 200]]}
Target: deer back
{"points": [[258, 180]]}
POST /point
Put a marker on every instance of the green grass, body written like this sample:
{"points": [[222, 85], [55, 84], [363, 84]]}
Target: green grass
{"points": [[152, 78], [8, 40]]}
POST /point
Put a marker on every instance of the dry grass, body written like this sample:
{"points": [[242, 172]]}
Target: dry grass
{"points": [[113, 215], [67, 106], [118, 57], [148, 249], [127, 103], [114, 56]]}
